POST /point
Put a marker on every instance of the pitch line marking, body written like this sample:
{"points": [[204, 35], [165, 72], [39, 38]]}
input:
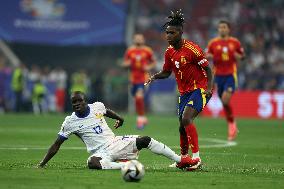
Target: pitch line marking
{"points": [[218, 143]]}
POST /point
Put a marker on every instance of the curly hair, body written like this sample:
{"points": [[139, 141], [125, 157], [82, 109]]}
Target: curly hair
{"points": [[175, 19]]}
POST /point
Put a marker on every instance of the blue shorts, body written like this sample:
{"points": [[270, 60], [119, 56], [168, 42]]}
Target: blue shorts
{"points": [[226, 83], [194, 99], [136, 87]]}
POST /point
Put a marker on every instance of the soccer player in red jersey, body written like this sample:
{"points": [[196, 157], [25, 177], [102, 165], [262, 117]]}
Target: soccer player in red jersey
{"points": [[194, 79], [226, 51], [140, 59]]}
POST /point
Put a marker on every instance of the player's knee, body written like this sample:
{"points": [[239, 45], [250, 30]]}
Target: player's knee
{"points": [[225, 99], [186, 121], [94, 163], [225, 102], [143, 142]]}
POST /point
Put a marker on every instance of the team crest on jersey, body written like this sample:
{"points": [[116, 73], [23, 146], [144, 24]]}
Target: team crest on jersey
{"points": [[177, 64], [182, 60], [231, 46], [99, 116], [219, 47]]}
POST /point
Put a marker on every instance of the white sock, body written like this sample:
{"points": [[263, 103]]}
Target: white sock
{"points": [[106, 164], [161, 149], [195, 155]]}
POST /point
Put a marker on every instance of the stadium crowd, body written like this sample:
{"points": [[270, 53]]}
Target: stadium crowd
{"points": [[258, 25], [44, 89]]}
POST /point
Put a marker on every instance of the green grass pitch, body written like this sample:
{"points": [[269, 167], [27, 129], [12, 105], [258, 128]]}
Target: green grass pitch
{"points": [[257, 161]]}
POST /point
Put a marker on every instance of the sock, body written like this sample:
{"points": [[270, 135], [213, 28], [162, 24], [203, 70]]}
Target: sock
{"points": [[192, 137], [139, 104], [106, 164], [161, 149], [228, 113], [183, 142], [195, 155]]}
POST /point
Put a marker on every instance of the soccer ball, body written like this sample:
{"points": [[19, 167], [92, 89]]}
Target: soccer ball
{"points": [[132, 171]]}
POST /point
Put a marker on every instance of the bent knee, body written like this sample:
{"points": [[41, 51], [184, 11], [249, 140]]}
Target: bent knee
{"points": [[186, 121], [94, 163], [143, 142]]}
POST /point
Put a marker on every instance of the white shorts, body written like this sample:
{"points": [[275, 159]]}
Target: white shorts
{"points": [[121, 148]]}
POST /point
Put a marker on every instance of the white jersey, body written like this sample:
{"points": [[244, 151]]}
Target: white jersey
{"points": [[92, 128]]}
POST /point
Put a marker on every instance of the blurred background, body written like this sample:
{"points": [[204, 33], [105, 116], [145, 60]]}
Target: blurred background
{"points": [[51, 47]]}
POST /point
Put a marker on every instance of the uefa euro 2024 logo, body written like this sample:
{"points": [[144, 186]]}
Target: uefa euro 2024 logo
{"points": [[43, 9]]}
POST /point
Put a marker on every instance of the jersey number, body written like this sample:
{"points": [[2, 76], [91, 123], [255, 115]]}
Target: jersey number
{"points": [[98, 129]]}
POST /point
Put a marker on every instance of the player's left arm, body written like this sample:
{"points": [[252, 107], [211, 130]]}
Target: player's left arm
{"points": [[239, 53], [113, 115], [203, 62], [152, 61], [126, 60], [209, 74]]}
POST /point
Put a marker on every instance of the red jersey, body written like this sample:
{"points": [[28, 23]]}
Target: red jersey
{"points": [[139, 58], [223, 51], [187, 63]]}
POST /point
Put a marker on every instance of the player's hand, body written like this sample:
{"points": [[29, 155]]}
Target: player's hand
{"points": [[238, 56], [118, 123], [208, 93], [40, 166], [150, 80]]}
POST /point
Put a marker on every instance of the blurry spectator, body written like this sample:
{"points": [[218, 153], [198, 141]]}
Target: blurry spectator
{"points": [[59, 77], [258, 24], [115, 82], [38, 98], [3, 79], [80, 82], [17, 84], [34, 74]]}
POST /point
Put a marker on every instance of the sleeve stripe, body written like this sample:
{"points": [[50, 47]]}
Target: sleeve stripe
{"points": [[202, 61], [193, 49]]}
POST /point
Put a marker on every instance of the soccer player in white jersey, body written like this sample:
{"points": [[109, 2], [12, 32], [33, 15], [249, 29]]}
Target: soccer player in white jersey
{"points": [[88, 123]]}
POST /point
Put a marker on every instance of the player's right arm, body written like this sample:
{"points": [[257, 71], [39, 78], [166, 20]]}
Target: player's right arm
{"points": [[126, 62], [165, 73], [209, 51], [63, 135], [51, 151], [160, 75]]}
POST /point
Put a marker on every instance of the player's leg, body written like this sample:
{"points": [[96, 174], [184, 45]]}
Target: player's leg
{"points": [[184, 142], [162, 149], [94, 162], [140, 106], [229, 88], [188, 116], [194, 106], [190, 105]]}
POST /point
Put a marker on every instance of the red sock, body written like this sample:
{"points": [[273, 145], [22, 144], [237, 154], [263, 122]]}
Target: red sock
{"points": [[184, 143], [192, 137], [229, 113], [139, 104]]}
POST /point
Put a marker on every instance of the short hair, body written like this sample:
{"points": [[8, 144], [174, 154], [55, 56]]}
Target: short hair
{"points": [[175, 19], [225, 22], [79, 93]]}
